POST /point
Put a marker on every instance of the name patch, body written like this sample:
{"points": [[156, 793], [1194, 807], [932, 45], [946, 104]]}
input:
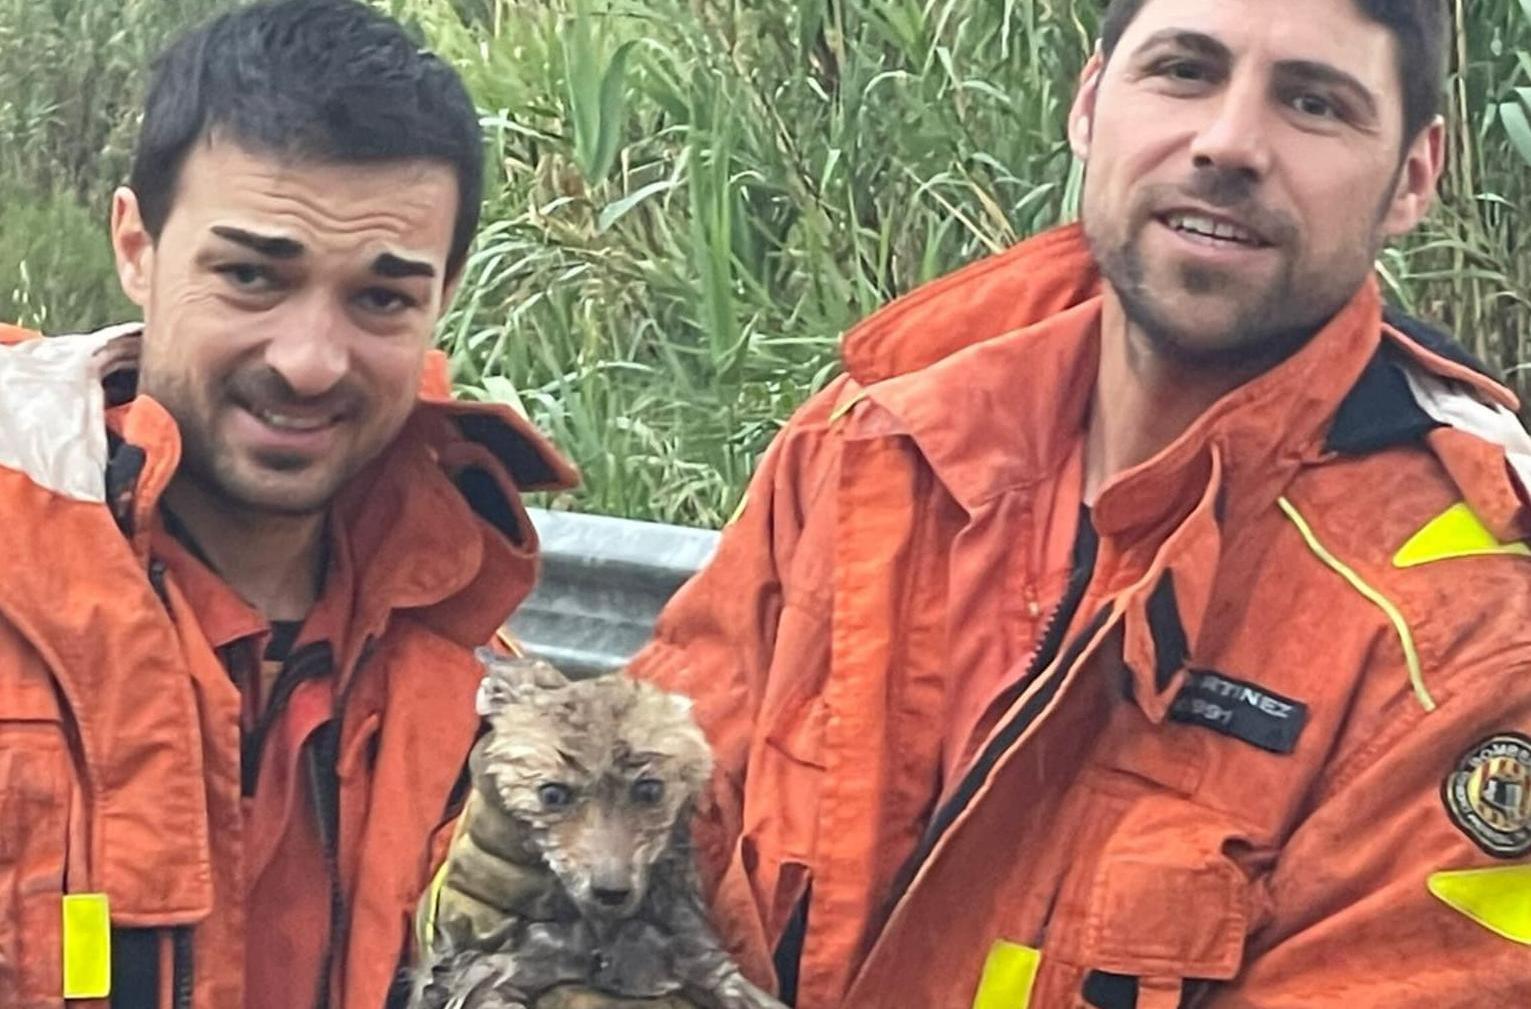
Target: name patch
{"points": [[1240, 709]]}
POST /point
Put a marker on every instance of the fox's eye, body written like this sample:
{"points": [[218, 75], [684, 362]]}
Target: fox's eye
{"points": [[648, 791], [555, 796]]}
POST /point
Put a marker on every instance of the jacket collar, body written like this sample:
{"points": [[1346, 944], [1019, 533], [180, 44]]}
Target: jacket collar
{"points": [[441, 534], [990, 371], [435, 524]]}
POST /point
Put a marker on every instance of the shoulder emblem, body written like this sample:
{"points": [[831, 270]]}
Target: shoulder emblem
{"points": [[1488, 795]]}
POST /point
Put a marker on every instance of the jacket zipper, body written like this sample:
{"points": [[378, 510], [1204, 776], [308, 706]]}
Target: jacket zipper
{"points": [[310, 661], [324, 787], [157, 581], [1086, 549], [183, 980], [323, 765]]}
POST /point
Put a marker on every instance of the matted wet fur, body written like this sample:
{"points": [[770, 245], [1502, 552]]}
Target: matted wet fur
{"points": [[602, 776]]}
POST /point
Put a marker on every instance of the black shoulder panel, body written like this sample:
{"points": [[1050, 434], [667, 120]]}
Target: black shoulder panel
{"points": [[1379, 411], [1436, 341]]}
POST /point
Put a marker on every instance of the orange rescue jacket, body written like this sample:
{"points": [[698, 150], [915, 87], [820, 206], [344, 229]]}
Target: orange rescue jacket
{"points": [[1273, 748], [123, 854]]}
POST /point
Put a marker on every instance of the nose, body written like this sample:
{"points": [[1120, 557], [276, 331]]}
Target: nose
{"points": [[611, 896], [310, 352], [612, 876], [1235, 138], [611, 879]]}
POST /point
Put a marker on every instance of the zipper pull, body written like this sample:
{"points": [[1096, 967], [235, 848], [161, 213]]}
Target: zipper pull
{"points": [[157, 581]]}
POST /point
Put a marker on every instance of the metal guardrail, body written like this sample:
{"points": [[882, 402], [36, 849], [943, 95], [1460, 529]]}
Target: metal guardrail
{"points": [[603, 583]]}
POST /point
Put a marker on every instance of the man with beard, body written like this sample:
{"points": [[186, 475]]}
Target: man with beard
{"points": [[1143, 619], [252, 544]]}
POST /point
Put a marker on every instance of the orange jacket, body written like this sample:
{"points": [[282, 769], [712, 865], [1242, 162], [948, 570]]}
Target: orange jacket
{"points": [[120, 728], [1276, 755]]}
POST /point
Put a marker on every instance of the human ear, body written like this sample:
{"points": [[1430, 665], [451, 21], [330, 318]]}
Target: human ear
{"points": [[1082, 114], [1415, 192], [133, 247]]}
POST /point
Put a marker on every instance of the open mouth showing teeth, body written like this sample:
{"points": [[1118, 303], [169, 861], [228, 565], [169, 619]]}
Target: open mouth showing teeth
{"points": [[288, 422], [1213, 229]]}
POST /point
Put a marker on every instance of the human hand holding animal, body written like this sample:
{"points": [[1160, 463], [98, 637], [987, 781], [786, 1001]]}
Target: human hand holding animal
{"points": [[570, 883]]}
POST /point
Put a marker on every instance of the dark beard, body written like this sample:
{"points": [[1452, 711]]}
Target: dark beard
{"points": [[1271, 328], [1268, 337]]}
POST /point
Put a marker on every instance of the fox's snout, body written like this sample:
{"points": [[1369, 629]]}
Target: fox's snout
{"points": [[609, 853]]}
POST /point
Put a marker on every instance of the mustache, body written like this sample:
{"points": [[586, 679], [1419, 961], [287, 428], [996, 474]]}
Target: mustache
{"points": [[265, 388], [1228, 190]]}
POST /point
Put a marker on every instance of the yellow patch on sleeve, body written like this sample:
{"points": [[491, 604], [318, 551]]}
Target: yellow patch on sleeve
{"points": [[87, 927], [1456, 532], [1497, 898], [1008, 976]]}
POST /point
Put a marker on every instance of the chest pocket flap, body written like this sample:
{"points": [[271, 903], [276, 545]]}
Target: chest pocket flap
{"points": [[1166, 897]]}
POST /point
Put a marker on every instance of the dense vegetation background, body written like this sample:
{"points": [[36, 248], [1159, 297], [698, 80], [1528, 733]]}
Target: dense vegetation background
{"points": [[692, 199]]}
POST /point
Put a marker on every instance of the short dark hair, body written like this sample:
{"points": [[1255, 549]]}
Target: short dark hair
{"points": [[331, 81], [1419, 26]]}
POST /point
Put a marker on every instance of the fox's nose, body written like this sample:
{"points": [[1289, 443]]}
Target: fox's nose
{"points": [[612, 897]]}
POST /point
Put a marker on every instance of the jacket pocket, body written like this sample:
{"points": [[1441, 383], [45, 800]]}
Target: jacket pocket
{"points": [[781, 809], [1167, 914], [1167, 909], [1156, 909], [34, 823]]}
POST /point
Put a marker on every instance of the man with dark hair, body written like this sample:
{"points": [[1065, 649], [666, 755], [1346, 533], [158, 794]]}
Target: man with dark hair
{"points": [[252, 543], [1420, 29], [1144, 619]]}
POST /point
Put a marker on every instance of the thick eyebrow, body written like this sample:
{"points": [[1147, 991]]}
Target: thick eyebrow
{"points": [[1309, 72], [397, 268], [1196, 42], [270, 246]]}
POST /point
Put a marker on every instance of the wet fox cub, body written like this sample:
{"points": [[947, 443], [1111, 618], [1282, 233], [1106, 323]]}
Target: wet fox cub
{"points": [[598, 778]]}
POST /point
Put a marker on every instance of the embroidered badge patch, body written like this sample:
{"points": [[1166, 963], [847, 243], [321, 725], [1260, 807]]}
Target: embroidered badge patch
{"points": [[1489, 795]]}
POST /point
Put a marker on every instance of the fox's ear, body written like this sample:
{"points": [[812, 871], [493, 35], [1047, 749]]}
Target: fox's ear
{"points": [[510, 681]]}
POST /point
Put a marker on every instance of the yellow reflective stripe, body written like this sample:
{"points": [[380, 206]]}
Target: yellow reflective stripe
{"points": [[1499, 899], [738, 510], [1405, 637], [425, 923], [1456, 532], [847, 406], [87, 933], [1008, 976]]}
